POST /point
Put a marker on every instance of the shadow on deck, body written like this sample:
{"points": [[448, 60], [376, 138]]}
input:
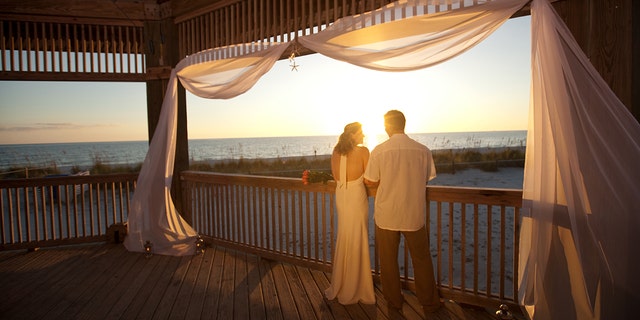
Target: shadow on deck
{"points": [[105, 281]]}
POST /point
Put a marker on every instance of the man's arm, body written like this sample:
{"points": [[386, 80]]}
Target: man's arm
{"points": [[371, 184]]}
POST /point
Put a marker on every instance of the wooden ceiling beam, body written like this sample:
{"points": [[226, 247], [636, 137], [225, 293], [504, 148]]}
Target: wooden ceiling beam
{"points": [[79, 11]]}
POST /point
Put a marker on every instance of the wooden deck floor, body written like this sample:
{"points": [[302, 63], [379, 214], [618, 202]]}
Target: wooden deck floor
{"points": [[105, 281]]}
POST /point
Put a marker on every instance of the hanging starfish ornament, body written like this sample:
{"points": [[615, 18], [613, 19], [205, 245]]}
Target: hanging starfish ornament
{"points": [[292, 57], [293, 64]]}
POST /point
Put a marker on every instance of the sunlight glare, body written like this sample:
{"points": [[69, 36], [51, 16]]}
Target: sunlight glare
{"points": [[373, 129]]}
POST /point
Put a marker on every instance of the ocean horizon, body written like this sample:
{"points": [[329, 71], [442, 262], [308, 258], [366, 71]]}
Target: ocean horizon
{"points": [[86, 154]]}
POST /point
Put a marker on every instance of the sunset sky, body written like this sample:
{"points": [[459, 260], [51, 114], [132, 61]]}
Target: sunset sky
{"points": [[484, 89]]}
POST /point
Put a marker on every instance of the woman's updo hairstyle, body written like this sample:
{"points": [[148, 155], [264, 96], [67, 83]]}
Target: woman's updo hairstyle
{"points": [[346, 143]]}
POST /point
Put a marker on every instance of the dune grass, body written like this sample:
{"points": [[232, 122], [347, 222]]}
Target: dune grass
{"points": [[447, 161]]}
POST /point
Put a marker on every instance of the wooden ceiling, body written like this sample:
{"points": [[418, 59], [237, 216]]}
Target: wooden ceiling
{"points": [[124, 40]]}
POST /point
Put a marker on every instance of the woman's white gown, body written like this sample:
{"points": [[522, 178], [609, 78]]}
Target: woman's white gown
{"points": [[351, 280]]}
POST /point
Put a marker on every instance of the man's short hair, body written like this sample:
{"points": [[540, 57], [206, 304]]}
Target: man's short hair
{"points": [[394, 119]]}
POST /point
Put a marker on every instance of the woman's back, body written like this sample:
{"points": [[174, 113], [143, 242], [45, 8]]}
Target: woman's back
{"points": [[356, 163]]}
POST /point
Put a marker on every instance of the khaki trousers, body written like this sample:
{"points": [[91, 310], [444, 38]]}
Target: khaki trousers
{"points": [[388, 242]]}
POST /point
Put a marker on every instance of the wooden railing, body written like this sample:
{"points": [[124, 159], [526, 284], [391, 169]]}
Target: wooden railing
{"points": [[473, 232], [62, 210]]}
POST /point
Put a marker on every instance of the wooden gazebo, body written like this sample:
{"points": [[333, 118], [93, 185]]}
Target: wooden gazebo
{"points": [[141, 40]]}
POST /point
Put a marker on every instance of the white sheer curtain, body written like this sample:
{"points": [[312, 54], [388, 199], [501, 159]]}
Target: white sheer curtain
{"points": [[581, 183], [153, 220], [217, 74], [581, 186], [406, 36]]}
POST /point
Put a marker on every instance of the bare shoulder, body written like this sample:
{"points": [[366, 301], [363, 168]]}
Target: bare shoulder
{"points": [[362, 150]]}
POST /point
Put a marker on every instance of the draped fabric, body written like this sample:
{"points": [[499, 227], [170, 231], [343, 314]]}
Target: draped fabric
{"points": [[581, 185], [414, 40], [153, 219]]}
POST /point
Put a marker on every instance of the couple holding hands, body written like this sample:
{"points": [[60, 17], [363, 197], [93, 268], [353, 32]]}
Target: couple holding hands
{"points": [[400, 169]]}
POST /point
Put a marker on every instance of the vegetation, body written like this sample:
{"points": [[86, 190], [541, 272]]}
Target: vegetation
{"points": [[279, 167], [16, 172], [447, 161], [98, 167]]}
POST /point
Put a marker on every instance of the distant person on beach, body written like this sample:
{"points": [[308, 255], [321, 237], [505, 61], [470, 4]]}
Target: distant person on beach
{"points": [[400, 169], [351, 279]]}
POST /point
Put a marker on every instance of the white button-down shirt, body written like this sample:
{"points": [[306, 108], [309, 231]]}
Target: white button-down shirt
{"points": [[403, 167]]}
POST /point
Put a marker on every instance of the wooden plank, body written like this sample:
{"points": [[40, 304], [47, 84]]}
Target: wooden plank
{"points": [[256, 298], [168, 301], [198, 295], [338, 311], [72, 10], [95, 292], [287, 303], [17, 260], [241, 288], [212, 295], [84, 281], [107, 281], [269, 292], [188, 284], [120, 284], [41, 269], [300, 298], [132, 285], [227, 283], [140, 300], [155, 290], [315, 292]]}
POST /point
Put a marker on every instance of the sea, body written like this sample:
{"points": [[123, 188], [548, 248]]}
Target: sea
{"points": [[86, 154]]}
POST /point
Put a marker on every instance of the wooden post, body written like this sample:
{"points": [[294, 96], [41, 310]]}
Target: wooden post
{"points": [[161, 51], [608, 32]]}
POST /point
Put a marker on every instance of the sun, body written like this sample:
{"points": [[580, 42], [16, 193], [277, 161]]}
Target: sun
{"points": [[373, 129]]}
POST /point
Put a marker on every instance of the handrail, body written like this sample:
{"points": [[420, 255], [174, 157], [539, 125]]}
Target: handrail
{"points": [[62, 210], [280, 218]]}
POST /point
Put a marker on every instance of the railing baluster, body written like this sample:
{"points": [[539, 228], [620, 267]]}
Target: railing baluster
{"points": [[439, 243], [51, 211], [450, 240], [476, 248], [279, 218], [502, 250], [113, 204], [307, 229], [463, 245], [489, 253]]}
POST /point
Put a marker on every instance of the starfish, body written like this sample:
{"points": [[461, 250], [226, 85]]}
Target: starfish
{"points": [[294, 66]]}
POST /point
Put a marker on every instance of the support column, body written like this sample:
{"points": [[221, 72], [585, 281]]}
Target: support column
{"points": [[608, 33], [161, 53]]}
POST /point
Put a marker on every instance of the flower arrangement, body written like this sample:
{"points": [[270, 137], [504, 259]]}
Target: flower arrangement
{"points": [[309, 176]]}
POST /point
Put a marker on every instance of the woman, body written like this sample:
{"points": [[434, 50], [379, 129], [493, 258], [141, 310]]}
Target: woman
{"points": [[351, 280]]}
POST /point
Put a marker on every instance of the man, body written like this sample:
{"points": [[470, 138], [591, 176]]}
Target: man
{"points": [[400, 168]]}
